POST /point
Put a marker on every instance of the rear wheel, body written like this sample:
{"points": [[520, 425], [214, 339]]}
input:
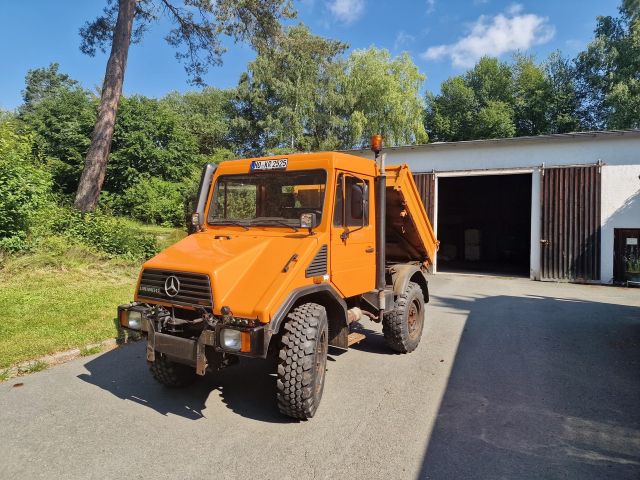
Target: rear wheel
{"points": [[172, 374], [402, 326], [302, 361]]}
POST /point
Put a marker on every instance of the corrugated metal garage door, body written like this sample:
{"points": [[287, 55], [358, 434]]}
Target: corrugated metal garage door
{"points": [[426, 183], [570, 237]]}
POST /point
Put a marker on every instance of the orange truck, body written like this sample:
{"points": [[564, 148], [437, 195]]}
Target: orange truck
{"points": [[287, 255]]}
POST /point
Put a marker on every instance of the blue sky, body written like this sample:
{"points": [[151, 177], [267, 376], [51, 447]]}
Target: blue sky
{"points": [[443, 37]]}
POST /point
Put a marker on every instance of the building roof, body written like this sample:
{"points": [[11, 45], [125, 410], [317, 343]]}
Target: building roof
{"points": [[595, 134]]}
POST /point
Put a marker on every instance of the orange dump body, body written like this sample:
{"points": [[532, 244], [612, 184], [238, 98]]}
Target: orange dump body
{"points": [[410, 235]]}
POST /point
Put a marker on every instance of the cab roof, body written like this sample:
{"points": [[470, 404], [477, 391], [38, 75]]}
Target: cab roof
{"points": [[306, 161]]}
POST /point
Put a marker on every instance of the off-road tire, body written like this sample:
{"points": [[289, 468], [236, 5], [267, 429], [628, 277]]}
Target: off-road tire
{"points": [[302, 361], [402, 327], [172, 374]]}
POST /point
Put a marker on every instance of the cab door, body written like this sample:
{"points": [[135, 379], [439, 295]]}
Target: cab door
{"points": [[353, 254]]}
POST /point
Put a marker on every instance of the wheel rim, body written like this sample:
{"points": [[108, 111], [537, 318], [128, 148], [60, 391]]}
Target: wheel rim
{"points": [[414, 320], [321, 363]]}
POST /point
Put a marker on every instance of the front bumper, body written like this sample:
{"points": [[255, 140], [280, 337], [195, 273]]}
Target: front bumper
{"points": [[192, 351]]}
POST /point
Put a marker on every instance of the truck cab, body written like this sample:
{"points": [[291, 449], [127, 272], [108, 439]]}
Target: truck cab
{"points": [[287, 254]]}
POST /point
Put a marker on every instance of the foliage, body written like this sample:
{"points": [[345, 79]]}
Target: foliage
{"points": [[497, 99], [61, 114], [383, 96], [206, 115], [450, 116], [608, 71], [42, 83], [632, 263], [303, 95], [562, 104], [156, 201], [150, 139], [24, 188], [289, 98], [114, 236], [531, 92]]}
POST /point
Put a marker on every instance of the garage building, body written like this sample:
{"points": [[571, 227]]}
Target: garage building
{"points": [[563, 207]]}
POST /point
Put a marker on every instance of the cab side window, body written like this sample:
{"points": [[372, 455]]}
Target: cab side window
{"points": [[352, 202]]}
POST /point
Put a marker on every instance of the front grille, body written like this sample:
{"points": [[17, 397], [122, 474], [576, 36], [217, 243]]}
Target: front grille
{"points": [[183, 289], [318, 265]]}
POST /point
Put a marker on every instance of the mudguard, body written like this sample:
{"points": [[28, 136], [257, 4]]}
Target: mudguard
{"points": [[404, 273]]}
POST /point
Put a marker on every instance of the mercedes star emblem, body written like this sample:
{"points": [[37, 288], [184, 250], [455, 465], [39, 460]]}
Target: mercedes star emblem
{"points": [[172, 286]]}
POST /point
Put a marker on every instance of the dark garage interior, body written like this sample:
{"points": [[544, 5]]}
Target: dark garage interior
{"points": [[484, 224]]}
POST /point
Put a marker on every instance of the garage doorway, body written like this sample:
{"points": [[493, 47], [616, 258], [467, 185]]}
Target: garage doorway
{"points": [[484, 224]]}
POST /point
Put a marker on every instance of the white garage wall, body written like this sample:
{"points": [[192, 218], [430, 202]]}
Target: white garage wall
{"points": [[620, 208], [619, 153]]}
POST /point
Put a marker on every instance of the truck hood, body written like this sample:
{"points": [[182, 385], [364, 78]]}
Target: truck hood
{"points": [[246, 271]]}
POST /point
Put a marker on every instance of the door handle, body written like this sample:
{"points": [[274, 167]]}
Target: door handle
{"points": [[544, 242], [369, 250]]}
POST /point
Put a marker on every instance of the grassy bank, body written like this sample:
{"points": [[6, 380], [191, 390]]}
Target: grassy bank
{"points": [[63, 296]]}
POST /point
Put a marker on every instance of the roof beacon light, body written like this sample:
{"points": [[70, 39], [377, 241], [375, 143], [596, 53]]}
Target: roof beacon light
{"points": [[376, 144]]}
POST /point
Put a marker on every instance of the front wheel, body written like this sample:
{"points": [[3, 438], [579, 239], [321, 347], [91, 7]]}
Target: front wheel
{"points": [[302, 361], [402, 326]]}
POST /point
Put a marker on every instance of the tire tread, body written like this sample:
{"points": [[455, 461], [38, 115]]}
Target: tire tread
{"points": [[295, 360], [394, 328]]}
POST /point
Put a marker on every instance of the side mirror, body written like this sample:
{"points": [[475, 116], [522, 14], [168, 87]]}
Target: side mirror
{"points": [[358, 200], [194, 225], [308, 220]]}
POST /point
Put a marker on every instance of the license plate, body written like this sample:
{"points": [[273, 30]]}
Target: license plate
{"points": [[269, 164]]}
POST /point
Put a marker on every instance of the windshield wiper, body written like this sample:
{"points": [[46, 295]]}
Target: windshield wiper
{"points": [[275, 220], [229, 222]]}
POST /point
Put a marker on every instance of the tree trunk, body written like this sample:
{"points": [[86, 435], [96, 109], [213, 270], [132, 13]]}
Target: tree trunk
{"points": [[96, 162]]}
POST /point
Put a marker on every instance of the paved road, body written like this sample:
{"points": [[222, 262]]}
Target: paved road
{"points": [[513, 379]]}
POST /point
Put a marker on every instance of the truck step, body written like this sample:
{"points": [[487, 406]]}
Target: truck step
{"points": [[355, 337]]}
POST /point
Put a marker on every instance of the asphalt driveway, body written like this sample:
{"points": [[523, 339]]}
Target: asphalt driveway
{"points": [[513, 379]]}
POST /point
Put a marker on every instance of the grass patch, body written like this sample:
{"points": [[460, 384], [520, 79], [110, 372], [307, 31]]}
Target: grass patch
{"points": [[88, 351], [4, 375], [164, 236], [33, 367], [62, 296]]}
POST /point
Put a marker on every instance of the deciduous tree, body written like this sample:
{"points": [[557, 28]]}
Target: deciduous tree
{"points": [[383, 95], [289, 99], [608, 71]]}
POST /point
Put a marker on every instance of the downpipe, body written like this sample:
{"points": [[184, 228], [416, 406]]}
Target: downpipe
{"points": [[381, 216]]}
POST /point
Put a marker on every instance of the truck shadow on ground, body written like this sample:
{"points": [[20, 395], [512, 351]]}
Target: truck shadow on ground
{"points": [[248, 388], [540, 387]]}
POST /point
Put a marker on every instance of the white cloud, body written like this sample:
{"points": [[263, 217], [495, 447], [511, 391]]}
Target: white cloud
{"points": [[431, 6], [515, 8], [402, 40], [346, 11], [505, 32]]}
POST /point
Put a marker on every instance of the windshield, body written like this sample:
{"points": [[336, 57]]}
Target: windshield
{"points": [[267, 198]]}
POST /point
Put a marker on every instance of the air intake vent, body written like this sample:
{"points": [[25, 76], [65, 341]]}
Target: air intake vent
{"points": [[179, 288], [318, 265]]}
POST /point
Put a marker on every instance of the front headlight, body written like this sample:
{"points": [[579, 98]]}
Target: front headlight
{"points": [[135, 320], [231, 339]]}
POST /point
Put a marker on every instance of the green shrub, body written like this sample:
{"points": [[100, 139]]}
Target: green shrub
{"points": [[156, 201], [111, 235], [24, 188]]}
